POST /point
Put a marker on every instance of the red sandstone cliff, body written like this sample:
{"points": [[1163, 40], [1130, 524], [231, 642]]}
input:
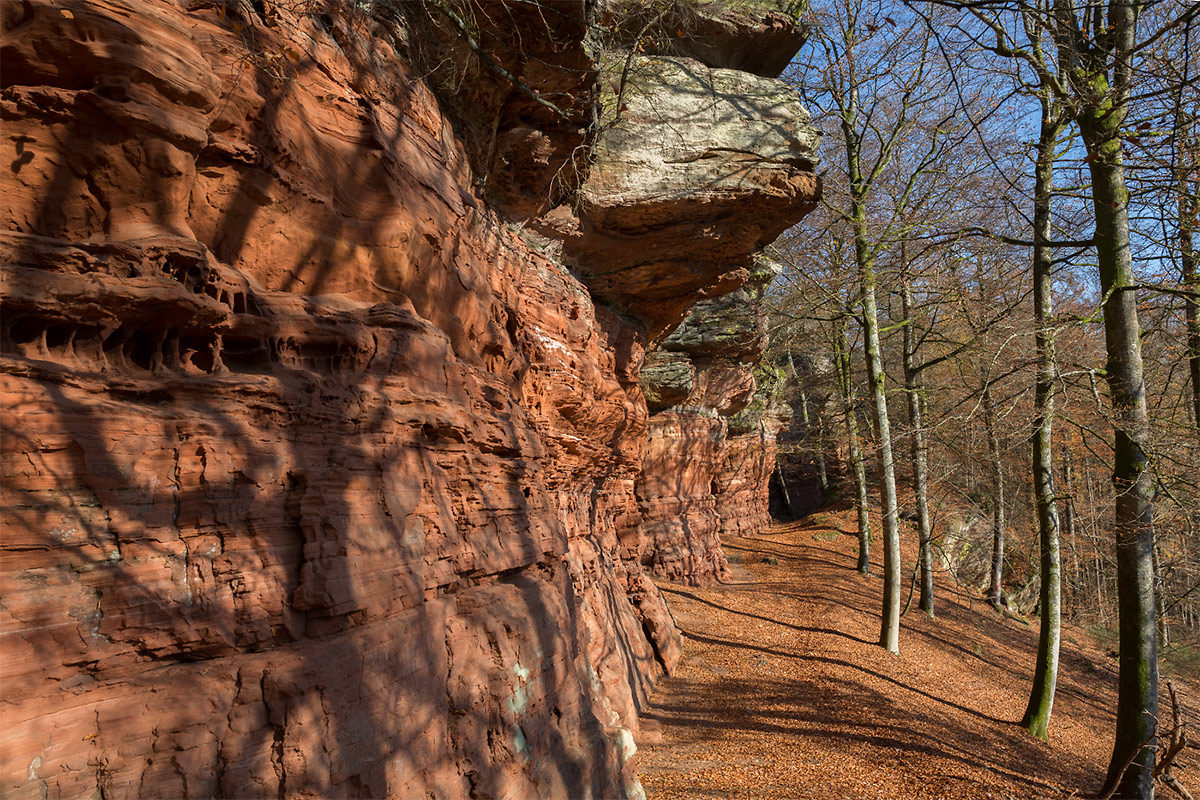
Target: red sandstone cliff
{"points": [[320, 471], [711, 446]]}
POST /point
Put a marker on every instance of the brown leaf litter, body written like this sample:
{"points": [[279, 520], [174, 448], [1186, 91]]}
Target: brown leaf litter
{"points": [[784, 693]]}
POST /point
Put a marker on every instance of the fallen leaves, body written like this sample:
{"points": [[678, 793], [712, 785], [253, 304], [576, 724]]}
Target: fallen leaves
{"points": [[782, 692]]}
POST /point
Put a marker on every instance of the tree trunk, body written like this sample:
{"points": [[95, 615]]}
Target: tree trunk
{"points": [[787, 498], [819, 458], [1067, 511], [1045, 673], [1164, 636], [912, 389], [1191, 282], [995, 595], [858, 469], [1189, 205], [1137, 686], [822, 467], [1068, 502], [889, 634]]}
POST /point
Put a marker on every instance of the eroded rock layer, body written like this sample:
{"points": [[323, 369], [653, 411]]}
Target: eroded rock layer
{"points": [[321, 476], [742, 484], [711, 447]]}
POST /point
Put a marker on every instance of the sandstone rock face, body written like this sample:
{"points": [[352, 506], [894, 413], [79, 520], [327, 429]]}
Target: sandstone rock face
{"points": [[681, 136], [758, 36], [667, 379], [711, 446], [742, 484], [695, 170], [321, 477], [681, 526], [518, 80]]}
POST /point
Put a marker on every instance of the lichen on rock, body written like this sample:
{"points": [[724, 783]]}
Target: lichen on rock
{"points": [[685, 140], [695, 170]]}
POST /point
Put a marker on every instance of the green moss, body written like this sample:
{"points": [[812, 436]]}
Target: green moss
{"points": [[770, 385]]}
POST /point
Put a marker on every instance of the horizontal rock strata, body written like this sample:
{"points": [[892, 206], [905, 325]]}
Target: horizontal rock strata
{"points": [[742, 484], [711, 446]]}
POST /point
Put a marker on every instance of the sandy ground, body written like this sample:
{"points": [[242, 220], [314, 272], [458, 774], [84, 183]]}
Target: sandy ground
{"points": [[784, 693]]}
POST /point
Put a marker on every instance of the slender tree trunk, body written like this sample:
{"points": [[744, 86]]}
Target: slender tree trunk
{"points": [[995, 595], [822, 467], [819, 460], [1068, 502], [1189, 206], [1155, 563], [889, 634], [787, 498], [919, 450], [1075, 580], [1098, 559], [1045, 673], [860, 493], [1137, 684], [1187, 227], [858, 469], [1067, 509]]}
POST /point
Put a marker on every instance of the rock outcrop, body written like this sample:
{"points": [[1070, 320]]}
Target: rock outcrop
{"points": [[325, 455], [755, 36], [711, 445], [696, 169], [742, 485]]}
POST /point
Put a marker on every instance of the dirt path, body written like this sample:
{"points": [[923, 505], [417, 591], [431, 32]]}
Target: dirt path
{"points": [[783, 693]]}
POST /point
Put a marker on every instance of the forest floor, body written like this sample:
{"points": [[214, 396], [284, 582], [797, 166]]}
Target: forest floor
{"points": [[782, 691]]}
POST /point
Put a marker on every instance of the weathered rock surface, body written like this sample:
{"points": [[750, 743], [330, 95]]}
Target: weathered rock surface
{"points": [[711, 446], [518, 79], [695, 170], [742, 484], [682, 137], [319, 479], [682, 527], [758, 36], [667, 379]]}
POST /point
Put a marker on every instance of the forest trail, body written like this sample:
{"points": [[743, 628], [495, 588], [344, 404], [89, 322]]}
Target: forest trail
{"points": [[783, 692]]}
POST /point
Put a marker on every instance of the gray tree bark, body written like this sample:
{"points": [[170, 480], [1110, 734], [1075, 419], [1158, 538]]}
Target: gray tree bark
{"points": [[919, 451], [1045, 673], [889, 634], [1189, 207], [1131, 769], [857, 468], [995, 591]]}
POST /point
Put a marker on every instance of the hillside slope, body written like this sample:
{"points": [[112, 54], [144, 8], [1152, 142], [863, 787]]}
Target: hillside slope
{"points": [[782, 691]]}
